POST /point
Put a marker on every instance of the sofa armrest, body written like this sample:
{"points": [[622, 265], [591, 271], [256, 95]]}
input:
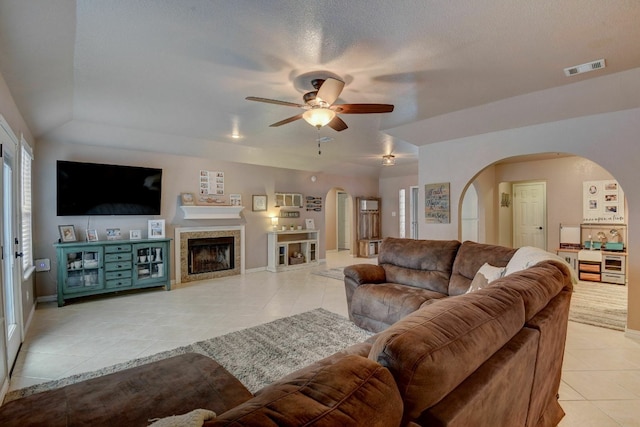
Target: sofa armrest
{"points": [[349, 391], [365, 273]]}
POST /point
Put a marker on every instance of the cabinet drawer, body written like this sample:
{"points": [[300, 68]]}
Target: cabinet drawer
{"points": [[117, 248], [118, 256], [592, 277], [119, 274], [113, 266], [593, 268], [120, 283], [613, 278]]}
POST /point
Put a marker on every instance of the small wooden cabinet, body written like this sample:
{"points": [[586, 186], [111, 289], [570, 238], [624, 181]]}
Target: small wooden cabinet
{"points": [[368, 230], [94, 268], [292, 249], [369, 248]]}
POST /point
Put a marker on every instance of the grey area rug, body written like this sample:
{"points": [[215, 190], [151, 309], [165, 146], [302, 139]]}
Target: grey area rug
{"points": [[333, 273], [256, 356], [599, 304]]}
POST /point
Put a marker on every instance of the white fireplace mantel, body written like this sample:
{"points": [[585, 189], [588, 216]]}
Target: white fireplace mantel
{"points": [[211, 212]]}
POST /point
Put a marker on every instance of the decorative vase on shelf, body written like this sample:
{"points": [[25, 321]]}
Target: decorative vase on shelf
{"points": [[158, 254]]}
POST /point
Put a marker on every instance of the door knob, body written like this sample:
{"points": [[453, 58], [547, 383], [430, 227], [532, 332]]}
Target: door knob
{"points": [[539, 228]]}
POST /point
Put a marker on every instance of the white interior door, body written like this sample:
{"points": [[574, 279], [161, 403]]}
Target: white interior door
{"points": [[413, 212], [343, 222], [11, 277], [530, 214], [469, 215]]}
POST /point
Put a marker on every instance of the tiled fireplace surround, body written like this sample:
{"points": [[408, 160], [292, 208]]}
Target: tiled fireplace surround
{"points": [[182, 236]]}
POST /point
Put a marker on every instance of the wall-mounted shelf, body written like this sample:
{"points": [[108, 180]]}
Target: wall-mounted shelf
{"points": [[291, 200], [211, 212]]}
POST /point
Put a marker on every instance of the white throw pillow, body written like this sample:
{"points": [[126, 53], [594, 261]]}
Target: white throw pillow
{"points": [[485, 275], [528, 256]]}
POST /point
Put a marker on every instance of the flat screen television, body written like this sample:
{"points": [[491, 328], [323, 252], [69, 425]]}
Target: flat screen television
{"points": [[101, 189]]}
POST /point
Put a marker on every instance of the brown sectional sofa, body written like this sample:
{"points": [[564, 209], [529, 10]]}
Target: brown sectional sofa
{"points": [[487, 358]]}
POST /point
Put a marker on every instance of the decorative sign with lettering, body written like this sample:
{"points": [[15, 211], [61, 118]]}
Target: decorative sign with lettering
{"points": [[603, 202], [436, 203]]}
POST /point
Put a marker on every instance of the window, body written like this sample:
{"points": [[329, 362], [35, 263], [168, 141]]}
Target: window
{"points": [[27, 235], [402, 214]]}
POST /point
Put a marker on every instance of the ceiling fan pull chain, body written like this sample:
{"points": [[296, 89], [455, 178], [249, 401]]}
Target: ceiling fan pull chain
{"points": [[318, 139]]}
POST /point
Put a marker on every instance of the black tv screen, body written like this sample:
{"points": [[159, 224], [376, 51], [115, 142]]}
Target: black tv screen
{"points": [[99, 189]]}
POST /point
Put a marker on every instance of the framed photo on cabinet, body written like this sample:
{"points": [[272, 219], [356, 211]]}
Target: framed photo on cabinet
{"points": [[92, 235], [67, 233], [156, 229]]}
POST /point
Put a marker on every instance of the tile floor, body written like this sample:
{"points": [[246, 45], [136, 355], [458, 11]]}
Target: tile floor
{"points": [[601, 374]]}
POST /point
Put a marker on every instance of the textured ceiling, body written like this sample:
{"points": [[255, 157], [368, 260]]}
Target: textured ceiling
{"points": [[171, 76]]}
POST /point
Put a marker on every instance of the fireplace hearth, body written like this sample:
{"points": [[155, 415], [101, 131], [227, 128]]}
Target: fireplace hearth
{"points": [[209, 252]]}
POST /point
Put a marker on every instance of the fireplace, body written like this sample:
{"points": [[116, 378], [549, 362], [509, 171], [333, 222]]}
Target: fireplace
{"points": [[209, 252]]}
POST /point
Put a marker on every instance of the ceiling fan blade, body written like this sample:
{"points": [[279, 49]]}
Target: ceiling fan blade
{"points": [[330, 90], [285, 121], [337, 124], [274, 101], [363, 108]]}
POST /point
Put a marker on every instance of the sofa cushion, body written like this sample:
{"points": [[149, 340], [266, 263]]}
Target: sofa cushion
{"points": [[420, 263], [349, 391], [488, 397], [375, 307], [431, 351], [133, 396], [471, 256], [487, 274], [528, 256]]}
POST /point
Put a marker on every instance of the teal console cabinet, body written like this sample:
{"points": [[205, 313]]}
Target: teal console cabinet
{"points": [[94, 268]]}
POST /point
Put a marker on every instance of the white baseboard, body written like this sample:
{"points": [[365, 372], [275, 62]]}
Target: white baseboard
{"points": [[29, 319], [254, 270], [632, 334], [48, 298]]}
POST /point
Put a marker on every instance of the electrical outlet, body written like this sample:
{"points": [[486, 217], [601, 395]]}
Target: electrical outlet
{"points": [[43, 264]]}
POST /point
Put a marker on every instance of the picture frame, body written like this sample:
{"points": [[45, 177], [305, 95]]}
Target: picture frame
{"points": [[235, 199], [437, 203], [187, 199], [92, 235], [309, 224], [113, 234], [156, 229], [135, 234], [67, 233], [259, 203]]}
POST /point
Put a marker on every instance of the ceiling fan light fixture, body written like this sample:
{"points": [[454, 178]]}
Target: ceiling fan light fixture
{"points": [[318, 117], [388, 160]]}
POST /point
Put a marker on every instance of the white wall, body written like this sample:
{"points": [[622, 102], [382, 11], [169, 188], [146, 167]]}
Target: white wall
{"points": [[610, 139]]}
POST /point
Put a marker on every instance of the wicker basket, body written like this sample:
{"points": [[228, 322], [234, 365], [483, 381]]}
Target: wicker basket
{"points": [[296, 260]]}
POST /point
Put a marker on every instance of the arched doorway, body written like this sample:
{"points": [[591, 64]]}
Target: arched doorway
{"points": [[600, 302]]}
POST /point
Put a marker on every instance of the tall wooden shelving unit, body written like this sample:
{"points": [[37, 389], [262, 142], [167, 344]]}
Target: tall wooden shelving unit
{"points": [[368, 231]]}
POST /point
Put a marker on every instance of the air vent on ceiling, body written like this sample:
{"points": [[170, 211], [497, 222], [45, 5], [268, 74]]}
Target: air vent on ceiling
{"points": [[583, 68]]}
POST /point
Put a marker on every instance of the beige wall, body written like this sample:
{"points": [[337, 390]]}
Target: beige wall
{"points": [[180, 174], [563, 177]]}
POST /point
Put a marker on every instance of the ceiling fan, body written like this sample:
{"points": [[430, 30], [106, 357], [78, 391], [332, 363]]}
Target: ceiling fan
{"points": [[320, 107]]}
